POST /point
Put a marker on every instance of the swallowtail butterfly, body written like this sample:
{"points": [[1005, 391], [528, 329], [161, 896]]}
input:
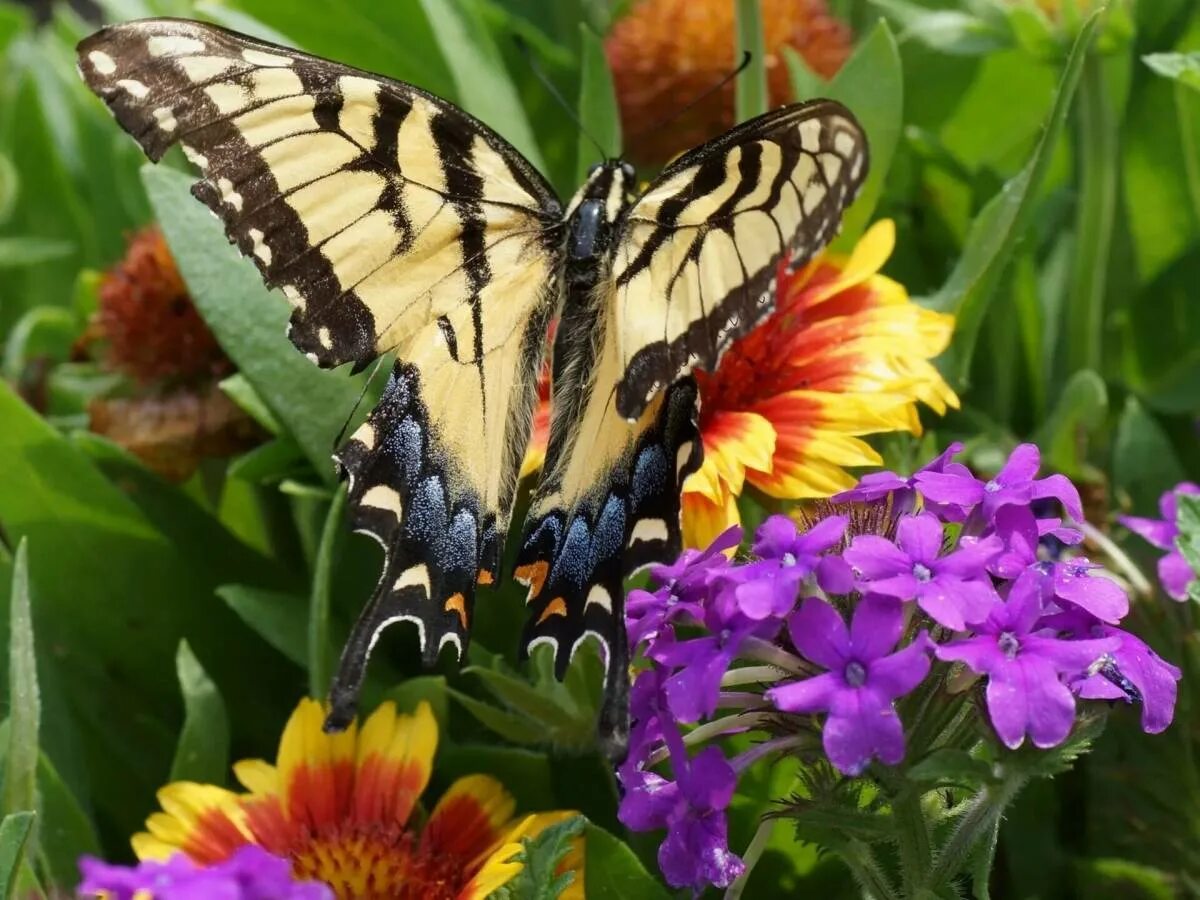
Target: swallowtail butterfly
{"points": [[395, 222]]}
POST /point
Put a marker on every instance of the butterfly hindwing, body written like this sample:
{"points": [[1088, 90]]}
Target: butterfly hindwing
{"points": [[392, 221], [695, 265]]}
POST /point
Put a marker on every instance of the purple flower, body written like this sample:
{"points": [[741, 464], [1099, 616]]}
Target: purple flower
{"points": [[953, 589], [1173, 570], [1135, 673], [786, 557], [878, 485], [1025, 694], [683, 587], [693, 690], [251, 873], [1102, 597], [862, 681], [696, 850], [1013, 484]]}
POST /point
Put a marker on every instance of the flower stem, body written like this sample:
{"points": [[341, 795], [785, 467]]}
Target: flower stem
{"points": [[866, 870], [755, 849], [724, 725], [912, 834], [752, 675], [765, 651], [1118, 557], [977, 823], [743, 761]]}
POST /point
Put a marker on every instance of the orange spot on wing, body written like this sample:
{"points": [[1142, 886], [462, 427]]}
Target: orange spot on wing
{"points": [[485, 577], [457, 603], [556, 607], [534, 575]]}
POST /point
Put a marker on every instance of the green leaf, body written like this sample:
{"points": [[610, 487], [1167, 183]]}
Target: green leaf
{"points": [[248, 321], [31, 251], [273, 461], [1144, 461], [20, 770], [428, 688], [1080, 411], [1188, 520], [14, 832], [481, 81], [281, 619], [1181, 67], [540, 856], [871, 85], [10, 186], [1002, 222], [65, 832], [320, 648], [525, 773], [1126, 879], [509, 725], [44, 331], [613, 871], [202, 753], [751, 97], [945, 30], [242, 392], [948, 766], [597, 106]]}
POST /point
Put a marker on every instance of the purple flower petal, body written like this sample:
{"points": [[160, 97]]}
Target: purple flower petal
{"points": [[1176, 575], [1026, 697], [1061, 489], [1100, 596], [894, 676], [953, 488], [775, 536], [1022, 465], [862, 726], [1168, 503], [980, 654], [920, 537], [809, 695], [1067, 657], [1159, 533], [834, 575], [819, 633], [899, 587], [875, 627], [942, 603], [876, 557], [971, 559]]}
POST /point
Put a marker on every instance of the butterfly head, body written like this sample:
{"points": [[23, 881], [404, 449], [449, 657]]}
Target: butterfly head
{"points": [[597, 206]]}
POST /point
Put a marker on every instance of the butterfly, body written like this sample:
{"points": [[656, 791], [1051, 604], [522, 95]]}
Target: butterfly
{"points": [[395, 222]]}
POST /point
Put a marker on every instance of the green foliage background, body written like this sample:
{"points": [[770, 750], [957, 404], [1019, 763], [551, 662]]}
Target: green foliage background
{"points": [[1051, 200]]}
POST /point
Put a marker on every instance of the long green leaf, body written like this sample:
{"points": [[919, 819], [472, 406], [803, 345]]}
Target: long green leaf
{"points": [[751, 97], [20, 775], [1000, 224], [65, 832], [250, 322], [31, 251], [320, 650], [481, 81], [614, 872], [871, 85], [279, 618], [202, 753], [14, 832], [1182, 67], [597, 106]]}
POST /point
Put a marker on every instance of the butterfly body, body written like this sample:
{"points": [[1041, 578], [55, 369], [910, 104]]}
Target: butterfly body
{"points": [[395, 222]]}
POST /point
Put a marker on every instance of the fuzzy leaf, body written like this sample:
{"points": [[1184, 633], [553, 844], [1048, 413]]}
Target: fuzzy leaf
{"points": [[1182, 67], [540, 856], [948, 766], [24, 717], [14, 832], [613, 871]]}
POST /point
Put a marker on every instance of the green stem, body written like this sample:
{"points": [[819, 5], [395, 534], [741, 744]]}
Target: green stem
{"points": [[912, 833], [866, 870], [1097, 154], [320, 652], [1188, 139], [751, 93], [982, 814], [757, 845]]}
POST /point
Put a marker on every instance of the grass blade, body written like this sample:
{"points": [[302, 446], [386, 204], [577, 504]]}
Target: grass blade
{"points": [[14, 833], [597, 105], [751, 89], [202, 753], [20, 782]]}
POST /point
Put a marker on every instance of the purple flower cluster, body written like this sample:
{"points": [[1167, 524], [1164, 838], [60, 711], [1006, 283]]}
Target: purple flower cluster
{"points": [[940, 567], [251, 873], [1173, 570]]}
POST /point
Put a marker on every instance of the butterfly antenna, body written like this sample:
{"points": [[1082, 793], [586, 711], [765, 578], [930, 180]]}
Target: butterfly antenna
{"points": [[695, 101], [337, 442], [527, 53]]}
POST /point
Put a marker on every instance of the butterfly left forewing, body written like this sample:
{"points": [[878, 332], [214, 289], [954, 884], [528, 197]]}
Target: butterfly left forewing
{"points": [[392, 221], [696, 264]]}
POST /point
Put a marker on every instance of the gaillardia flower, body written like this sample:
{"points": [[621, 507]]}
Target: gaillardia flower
{"points": [[343, 809], [846, 353], [666, 53]]}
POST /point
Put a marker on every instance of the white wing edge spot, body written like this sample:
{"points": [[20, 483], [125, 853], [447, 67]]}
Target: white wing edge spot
{"points": [[649, 530], [294, 296], [393, 620], [450, 638], [383, 497], [260, 58], [365, 435], [165, 118], [583, 637], [599, 596], [102, 62], [133, 87], [173, 45], [543, 639], [414, 576], [232, 197], [195, 157], [261, 250]]}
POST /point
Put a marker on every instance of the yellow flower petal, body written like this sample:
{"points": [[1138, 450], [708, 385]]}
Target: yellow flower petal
{"points": [[703, 520], [867, 258], [257, 776]]}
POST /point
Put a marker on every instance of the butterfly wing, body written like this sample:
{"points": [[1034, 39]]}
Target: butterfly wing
{"points": [[692, 269], [392, 221], [696, 266]]}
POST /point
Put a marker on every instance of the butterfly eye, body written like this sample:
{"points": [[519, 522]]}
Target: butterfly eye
{"points": [[629, 171]]}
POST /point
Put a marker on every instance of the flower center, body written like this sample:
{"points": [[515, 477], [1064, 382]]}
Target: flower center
{"points": [[376, 860], [1008, 644], [788, 560], [992, 486], [855, 674], [921, 572]]}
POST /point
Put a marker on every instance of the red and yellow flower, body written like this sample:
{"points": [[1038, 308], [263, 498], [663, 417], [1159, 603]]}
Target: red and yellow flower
{"points": [[345, 810], [845, 354]]}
